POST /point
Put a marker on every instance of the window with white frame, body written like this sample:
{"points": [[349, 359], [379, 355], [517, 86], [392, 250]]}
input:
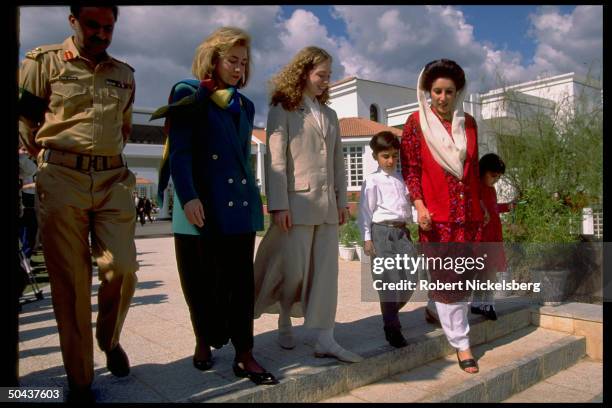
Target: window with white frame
{"points": [[398, 165], [353, 163]]}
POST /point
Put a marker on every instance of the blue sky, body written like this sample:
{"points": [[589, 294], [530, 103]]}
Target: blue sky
{"points": [[496, 45]]}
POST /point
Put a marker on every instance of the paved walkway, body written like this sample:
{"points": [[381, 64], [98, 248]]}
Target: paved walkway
{"points": [[159, 340]]}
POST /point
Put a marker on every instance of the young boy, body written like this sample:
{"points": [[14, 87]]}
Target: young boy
{"points": [[384, 211], [491, 168]]}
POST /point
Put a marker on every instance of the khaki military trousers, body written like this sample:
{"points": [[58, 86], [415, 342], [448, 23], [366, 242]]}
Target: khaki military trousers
{"points": [[73, 205], [298, 271]]}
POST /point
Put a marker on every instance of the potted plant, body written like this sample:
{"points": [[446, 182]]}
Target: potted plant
{"points": [[349, 235]]}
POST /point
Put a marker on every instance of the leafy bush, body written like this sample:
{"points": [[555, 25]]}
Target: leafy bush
{"points": [[554, 163], [349, 233]]}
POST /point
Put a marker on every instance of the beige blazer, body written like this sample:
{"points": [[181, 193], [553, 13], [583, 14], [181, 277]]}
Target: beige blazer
{"points": [[304, 165]]}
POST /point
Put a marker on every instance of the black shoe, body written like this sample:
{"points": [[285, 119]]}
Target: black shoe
{"points": [[117, 362], [205, 363], [82, 395], [487, 311], [467, 363], [264, 378], [395, 338]]}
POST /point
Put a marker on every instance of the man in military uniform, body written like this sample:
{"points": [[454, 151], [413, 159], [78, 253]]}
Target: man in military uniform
{"points": [[75, 107]]}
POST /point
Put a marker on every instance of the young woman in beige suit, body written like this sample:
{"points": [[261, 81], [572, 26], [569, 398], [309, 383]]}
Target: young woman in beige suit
{"points": [[296, 267]]}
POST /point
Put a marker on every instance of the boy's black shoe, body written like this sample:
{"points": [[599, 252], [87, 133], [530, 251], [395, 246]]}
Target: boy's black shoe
{"points": [[486, 310], [395, 338]]}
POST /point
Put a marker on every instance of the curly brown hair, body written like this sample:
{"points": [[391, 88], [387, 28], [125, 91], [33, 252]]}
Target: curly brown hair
{"points": [[288, 85]]}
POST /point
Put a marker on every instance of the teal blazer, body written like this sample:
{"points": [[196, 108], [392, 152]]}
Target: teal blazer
{"points": [[210, 159]]}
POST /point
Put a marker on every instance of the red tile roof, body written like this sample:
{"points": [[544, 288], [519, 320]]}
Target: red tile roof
{"points": [[260, 134], [142, 180], [359, 127]]}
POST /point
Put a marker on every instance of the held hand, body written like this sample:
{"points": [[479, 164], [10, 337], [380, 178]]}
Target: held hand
{"points": [[368, 248], [282, 218], [194, 211], [487, 217], [424, 218], [343, 215]]}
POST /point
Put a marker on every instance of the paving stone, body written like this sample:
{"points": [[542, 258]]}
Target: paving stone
{"points": [[550, 393], [159, 340]]}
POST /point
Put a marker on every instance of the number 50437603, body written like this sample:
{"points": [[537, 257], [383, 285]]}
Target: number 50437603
{"points": [[8, 394]]}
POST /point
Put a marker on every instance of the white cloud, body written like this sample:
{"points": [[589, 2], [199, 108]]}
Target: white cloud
{"points": [[382, 43], [568, 42]]}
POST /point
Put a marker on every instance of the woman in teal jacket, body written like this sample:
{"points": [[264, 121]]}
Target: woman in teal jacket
{"points": [[218, 206]]}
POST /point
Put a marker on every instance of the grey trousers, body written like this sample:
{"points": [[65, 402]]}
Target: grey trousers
{"points": [[388, 242]]}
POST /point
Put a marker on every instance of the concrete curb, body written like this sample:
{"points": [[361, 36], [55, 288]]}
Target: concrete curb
{"points": [[503, 382], [318, 383]]}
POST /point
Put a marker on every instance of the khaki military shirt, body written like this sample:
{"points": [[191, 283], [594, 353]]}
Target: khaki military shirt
{"points": [[88, 110]]}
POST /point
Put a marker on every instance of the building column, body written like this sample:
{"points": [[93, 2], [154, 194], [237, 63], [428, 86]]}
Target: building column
{"points": [[261, 174], [164, 212]]}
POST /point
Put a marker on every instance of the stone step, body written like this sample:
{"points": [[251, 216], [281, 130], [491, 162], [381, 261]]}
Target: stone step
{"points": [[508, 365], [311, 383], [582, 382]]}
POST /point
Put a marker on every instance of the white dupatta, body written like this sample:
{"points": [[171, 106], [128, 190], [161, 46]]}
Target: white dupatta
{"points": [[448, 153]]}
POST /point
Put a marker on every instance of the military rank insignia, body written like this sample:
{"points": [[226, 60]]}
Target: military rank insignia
{"points": [[118, 84]]}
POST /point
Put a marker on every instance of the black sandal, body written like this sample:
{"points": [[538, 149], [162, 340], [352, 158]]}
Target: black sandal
{"points": [[470, 362], [264, 378]]}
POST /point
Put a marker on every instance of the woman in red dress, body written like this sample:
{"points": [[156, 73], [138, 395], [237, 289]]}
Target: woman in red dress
{"points": [[439, 156]]}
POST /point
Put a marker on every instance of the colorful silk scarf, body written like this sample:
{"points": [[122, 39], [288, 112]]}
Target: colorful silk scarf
{"points": [[228, 98]]}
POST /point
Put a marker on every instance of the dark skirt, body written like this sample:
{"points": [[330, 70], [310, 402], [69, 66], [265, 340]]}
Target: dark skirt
{"points": [[216, 273]]}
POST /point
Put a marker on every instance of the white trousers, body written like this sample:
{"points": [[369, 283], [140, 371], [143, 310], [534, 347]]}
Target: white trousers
{"points": [[454, 320]]}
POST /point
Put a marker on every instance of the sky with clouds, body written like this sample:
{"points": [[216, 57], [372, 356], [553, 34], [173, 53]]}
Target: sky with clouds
{"points": [[390, 44]]}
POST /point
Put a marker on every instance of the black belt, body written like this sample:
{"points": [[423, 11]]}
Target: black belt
{"points": [[396, 224], [83, 162]]}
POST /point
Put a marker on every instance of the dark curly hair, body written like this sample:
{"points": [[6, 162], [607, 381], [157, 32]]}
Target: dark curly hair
{"points": [[443, 68]]}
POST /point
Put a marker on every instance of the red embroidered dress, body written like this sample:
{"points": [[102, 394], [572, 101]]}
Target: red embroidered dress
{"points": [[492, 232], [454, 204]]}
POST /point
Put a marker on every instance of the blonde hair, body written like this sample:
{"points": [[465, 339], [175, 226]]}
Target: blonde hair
{"points": [[288, 85], [214, 47]]}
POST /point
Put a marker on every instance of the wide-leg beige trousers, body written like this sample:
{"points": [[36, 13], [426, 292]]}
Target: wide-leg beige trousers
{"points": [[299, 270], [73, 205]]}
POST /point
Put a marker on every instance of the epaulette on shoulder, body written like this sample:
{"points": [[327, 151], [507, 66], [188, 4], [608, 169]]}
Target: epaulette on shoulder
{"points": [[36, 52], [124, 63]]}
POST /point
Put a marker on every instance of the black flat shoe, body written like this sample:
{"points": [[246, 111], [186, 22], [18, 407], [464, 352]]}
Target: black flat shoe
{"points": [[470, 362], [264, 378], [487, 311], [395, 337], [203, 365]]}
